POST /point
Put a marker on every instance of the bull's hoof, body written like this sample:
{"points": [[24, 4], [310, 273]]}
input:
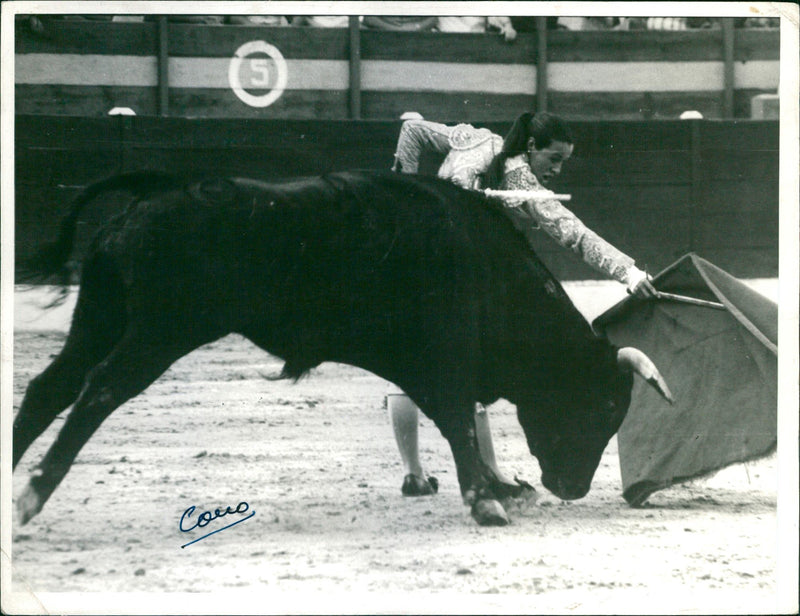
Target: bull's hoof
{"points": [[489, 513], [419, 486], [29, 504], [524, 500]]}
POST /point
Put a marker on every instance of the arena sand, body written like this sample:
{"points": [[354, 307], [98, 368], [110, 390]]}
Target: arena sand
{"points": [[317, 463]]}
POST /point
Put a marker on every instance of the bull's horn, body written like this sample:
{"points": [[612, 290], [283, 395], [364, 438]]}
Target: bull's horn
{"points": [[629, 358]]}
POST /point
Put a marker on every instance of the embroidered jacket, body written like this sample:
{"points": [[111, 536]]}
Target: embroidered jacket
{"points": [[469, 151]]}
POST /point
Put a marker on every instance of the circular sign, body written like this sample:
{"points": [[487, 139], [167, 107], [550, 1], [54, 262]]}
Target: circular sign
{"points": [[270, 72]]}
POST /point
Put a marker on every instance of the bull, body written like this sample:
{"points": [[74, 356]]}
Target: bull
{"points": [[418, 281]]}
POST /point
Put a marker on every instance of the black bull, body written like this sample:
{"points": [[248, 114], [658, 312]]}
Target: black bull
{"points": [[414, 279]]}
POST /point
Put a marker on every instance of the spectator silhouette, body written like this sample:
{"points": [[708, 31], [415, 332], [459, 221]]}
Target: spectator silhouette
{"points": [[470, 23], [666, 23], [757, 22], [257, 20], [322, 21], [593, 23], [401, 23]]}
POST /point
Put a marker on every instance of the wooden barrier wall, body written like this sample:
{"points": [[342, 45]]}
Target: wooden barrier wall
{"points": [[86, 68], [654, 189]]}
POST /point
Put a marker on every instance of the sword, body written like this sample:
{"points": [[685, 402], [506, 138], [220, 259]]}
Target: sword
{"points": [[530, 195]]}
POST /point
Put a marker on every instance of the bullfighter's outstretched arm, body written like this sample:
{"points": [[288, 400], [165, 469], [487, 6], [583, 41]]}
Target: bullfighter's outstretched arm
{"points": [[567, 229]]}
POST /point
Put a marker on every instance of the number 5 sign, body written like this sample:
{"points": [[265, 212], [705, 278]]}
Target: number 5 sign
{"points": [[270, 73]]}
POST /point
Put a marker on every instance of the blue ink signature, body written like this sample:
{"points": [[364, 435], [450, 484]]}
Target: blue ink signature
{"points": [[206, 517]]}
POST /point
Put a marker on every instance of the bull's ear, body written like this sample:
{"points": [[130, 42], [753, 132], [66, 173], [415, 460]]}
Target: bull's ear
{"points": [[632, 359]]}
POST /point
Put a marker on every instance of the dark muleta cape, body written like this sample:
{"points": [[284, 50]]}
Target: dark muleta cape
{"points": [[721, 364]]}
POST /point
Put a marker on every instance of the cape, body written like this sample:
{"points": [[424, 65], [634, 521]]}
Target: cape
{"points": [[720, 361]]}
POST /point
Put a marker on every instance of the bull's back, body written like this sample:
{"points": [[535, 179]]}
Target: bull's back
{"points": [[353, 232], [368, 256], [366, 242]]}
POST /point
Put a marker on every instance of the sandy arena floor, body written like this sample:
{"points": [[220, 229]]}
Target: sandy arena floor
{"points": [[317, 463]]}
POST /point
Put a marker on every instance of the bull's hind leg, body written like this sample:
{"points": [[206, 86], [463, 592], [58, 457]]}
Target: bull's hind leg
{"points": [[129, 369], [47, 395], [96, 327]]}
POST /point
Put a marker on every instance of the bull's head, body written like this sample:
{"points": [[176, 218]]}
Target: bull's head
{"points": [[568, 428]]}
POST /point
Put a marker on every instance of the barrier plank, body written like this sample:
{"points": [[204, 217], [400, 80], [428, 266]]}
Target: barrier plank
{"points": [[448, 47], [754, 196], [109, 38], [298, 104], [738, 165], [756, 44], [630, 136], [668, 200], [644, 105], [68, 166], [734, 229], [451, 107], [43, 131], [222, 41], [228, 134], [628, 168], [86, 67], [86, 101], [87, 37], [635, 183], [633, 46], [659, 45], [754, 135]]}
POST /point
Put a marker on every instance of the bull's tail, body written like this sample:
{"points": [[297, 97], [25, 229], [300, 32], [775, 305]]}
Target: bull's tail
{"points": [[50, 260]]}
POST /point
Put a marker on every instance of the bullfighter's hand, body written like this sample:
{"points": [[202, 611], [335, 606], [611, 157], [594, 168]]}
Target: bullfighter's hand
{"points": [[640, 284]]}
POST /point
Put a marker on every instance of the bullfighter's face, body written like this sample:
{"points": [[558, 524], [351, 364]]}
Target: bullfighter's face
{"points": [[568, 432], [546, 163]]}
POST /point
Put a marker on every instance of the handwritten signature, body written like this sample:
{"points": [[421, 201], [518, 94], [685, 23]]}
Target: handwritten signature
{"points": [[207, 517]]}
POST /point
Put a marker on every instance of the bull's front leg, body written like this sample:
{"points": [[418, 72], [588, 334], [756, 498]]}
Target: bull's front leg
{"points": [[476, 479], [506, 490]]}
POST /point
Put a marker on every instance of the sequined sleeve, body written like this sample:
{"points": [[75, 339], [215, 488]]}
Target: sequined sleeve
{"points": [[567, 229]]}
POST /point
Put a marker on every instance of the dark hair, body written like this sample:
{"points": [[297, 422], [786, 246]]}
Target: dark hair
{"points": [[543, 127]]}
